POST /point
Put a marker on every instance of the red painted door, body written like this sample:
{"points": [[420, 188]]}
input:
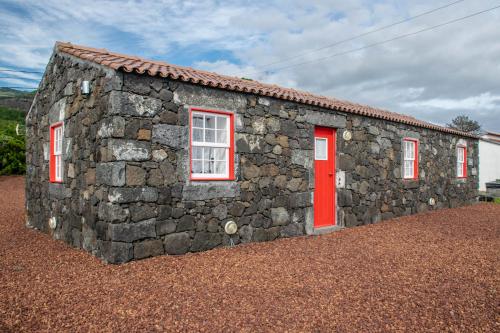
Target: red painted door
{"points": [[324, 173]]}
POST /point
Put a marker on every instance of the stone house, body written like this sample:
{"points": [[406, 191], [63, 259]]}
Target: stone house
{"points": [[129, 158]]}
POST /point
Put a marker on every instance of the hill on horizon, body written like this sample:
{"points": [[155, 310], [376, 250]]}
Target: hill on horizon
{"points": [[10, 93], [16, 99]]}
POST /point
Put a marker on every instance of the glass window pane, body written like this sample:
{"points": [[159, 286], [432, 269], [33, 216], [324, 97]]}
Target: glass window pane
{"points": [[409, 150], [208, 154], [208, 167], [60, 141], [58, 167], [209, 135], [57, 140], [197, 135], [220, 154], [198, 121], [460, 154], [321, 149], [209, 121], [197, 167], [197, 153], [221, 122], [221, 137], [220, 168], [408, 169], [459, 170]]}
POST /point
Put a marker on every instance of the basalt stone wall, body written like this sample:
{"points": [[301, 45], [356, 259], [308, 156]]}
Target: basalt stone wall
{"points": [[153, 207], [142, 203], [73, 202]]}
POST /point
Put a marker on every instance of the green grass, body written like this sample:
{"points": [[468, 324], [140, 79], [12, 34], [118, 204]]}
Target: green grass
{"points": [[496, 200]]}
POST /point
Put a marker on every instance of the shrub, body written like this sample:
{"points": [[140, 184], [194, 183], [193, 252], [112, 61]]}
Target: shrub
{"points": [[12, 155], [12, 145]]}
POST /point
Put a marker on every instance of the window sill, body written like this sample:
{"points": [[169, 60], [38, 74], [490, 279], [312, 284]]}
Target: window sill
{"points": [[410, 183], [460, 180], [210, 179]]}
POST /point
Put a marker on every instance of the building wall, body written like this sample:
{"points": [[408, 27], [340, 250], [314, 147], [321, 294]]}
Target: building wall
{"points": [[74, 201], [144, 204], [489, 163]]}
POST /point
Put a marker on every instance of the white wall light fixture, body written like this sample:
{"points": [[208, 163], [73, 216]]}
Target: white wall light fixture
{"points": [[230, 227], [85, 87], [53, 223]]}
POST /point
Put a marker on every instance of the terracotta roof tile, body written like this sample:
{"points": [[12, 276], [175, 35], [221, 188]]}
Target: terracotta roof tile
{"points": [[138, 65]]}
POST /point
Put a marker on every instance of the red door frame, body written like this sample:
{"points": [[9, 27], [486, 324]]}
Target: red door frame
{"points": [[325, 194]]}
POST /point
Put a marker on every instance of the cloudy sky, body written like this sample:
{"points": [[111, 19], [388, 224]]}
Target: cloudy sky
{"points": [[434, 75]]}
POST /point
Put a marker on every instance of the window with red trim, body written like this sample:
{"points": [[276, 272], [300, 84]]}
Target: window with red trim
{"points": [[212, 145], [461, 162], [56, 137], [410, 159]]}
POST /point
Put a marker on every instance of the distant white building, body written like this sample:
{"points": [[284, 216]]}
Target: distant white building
{"points": [[489, 159]]}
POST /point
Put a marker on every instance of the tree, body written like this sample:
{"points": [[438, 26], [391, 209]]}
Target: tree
{"points": [[465, 124]]}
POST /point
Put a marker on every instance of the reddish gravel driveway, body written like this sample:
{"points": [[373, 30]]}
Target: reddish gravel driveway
{"points": [[431, 272]]}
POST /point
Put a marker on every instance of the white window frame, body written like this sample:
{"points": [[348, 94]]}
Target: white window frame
{"points": [[407, 159], [202, 144], [316, 150], [460, 161]]}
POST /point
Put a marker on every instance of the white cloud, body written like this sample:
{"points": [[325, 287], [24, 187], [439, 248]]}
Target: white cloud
{"points": [[434, 75], [484, 101]]}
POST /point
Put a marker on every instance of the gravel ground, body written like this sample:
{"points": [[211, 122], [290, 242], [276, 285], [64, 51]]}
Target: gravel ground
{"points": [[430, 272]]}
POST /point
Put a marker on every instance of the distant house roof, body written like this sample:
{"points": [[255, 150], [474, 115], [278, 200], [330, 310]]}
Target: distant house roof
{"points": [[493, 134], [142, 66], [491, 137]]}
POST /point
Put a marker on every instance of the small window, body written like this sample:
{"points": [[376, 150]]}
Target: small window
{"points": [[410, 161], [461, 162], [320, 149], [212, 150], [56, 141]]}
